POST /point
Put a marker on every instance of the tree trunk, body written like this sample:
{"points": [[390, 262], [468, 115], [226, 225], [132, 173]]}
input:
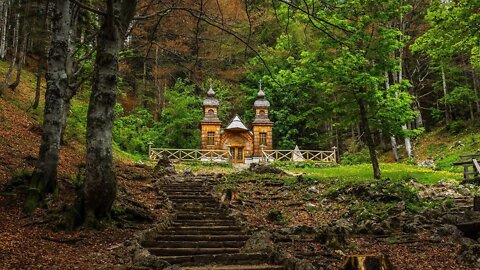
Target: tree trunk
{"points": [[37, 88], [445, 93], [100, 184], [4, 84], [21, 57], [44, 177], [369, 139], [3, 29], [475, 88], [393, 141]]}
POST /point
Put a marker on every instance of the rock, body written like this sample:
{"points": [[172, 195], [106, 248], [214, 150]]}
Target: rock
{"points": [[449, 230], [313, 189], [170, 170], [470, 255], [429, 163], [143, 258], [259, 242], [265, 168], [410, 227], [163, 162], [310, 205], [188, 171], [449, 219]]}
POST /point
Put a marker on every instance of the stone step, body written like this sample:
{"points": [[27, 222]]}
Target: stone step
{"points": [[201, 212], [194, 199], [185, 191], [194, 216], [193, 244], [191, 251], [206, 222], [213, 205], [197, 208], [202, 237], [204, 228], [225, 259], [236, 267], [201, 232], [191, 193]]}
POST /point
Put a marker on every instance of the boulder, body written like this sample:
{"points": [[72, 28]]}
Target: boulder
{"points": [[265, 168], [259, 242]]}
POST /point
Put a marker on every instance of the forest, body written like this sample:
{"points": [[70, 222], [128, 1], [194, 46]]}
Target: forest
{"points": [[88, 87]]}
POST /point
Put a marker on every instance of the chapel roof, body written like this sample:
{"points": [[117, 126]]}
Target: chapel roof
{"points": [[236, 124]]}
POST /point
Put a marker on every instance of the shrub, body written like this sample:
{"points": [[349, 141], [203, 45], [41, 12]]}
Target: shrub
{"points": [[456, 126], [354, 158]]}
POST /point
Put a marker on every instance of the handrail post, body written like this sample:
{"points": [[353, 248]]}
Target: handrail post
{"points": [[150, 144], [335, 154]]}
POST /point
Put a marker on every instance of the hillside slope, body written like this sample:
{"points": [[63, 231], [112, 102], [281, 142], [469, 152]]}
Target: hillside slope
{"points": [[445, 147], [35, 242]]}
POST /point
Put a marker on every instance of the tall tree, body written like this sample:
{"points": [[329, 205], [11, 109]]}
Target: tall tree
{"points": [[44, 178], [99, 190]]}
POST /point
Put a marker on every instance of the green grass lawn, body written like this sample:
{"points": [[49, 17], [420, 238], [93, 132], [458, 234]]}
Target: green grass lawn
{"points": [[363, 173]]}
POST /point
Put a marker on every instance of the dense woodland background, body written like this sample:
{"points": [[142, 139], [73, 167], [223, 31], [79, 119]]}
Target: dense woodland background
{"points": [[363, 75]]}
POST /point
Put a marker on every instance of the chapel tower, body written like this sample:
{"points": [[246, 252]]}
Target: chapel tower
{"points": [[262, 126], [210, 125]]}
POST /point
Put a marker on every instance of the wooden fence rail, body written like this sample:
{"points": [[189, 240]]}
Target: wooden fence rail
{"points": [[225, 155], [189, 154], [300, 155], [470, 161]]}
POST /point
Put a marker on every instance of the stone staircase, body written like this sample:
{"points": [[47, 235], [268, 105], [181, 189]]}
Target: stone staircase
{"points": [[203, 234]]}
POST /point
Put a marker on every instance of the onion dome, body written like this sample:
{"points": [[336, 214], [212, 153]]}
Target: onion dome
{"points": [[211, 100]]}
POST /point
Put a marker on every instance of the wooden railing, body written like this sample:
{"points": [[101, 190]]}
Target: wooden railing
{"points": [[189, 154], [225, 156], [300, 155], [470, 161]]}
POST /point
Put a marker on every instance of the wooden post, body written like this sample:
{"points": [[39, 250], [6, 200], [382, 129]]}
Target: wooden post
{"points": [[335, 154], [150, 150], [476, 203]]}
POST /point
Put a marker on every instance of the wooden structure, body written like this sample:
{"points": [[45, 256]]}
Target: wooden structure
{"points": [[470, 165], [236, 143], [240, 141]]}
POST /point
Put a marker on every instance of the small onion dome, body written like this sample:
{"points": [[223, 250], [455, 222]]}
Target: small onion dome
{"points": [[261, 102], [211, 100]]}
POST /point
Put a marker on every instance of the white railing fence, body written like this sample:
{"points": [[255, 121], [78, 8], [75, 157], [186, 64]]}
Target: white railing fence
{"points": [[189, 154], [225, 156], [300, 155]]}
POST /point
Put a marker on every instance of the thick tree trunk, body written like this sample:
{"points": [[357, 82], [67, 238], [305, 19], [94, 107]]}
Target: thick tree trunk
{"points": [[100, 184], [44, 178], [369, 139]]}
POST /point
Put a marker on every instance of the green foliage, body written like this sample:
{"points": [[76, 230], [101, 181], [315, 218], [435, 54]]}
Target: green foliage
{"points": [[176, 128], [349, 174], [456, 126], [354, 158], [77, 121]]}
